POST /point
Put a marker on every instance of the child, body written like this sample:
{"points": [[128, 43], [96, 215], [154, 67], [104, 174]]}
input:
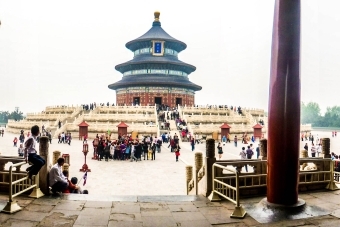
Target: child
{"points": [[177, 152], [31, 154], [15, 142], [21, 150]]}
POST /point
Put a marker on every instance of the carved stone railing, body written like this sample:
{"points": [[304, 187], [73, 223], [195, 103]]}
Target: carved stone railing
{"points": [[254, 183], [119, 117], [10, 159], [216, 119], [125, 109]]}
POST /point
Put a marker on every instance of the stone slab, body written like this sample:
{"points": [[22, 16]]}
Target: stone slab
{"points": [[265, 214], [19, 223]]}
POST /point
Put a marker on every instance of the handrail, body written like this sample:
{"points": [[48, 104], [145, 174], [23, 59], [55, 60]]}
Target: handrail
{"points": [[19, 186], [232, 191]]}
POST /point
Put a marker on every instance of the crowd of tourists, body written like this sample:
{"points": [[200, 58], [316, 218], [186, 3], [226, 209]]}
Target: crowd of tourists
{"points": [[125, 148]]}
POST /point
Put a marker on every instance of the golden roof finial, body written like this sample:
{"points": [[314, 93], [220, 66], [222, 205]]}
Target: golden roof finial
{"points": [[157, 13]]}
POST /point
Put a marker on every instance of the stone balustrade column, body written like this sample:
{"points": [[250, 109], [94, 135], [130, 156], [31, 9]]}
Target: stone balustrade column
{"points": [[66, 167], [263, 149], [188, 177], [43, 173], [326, 144], [56, 155], [198, 166], [209, 161]]}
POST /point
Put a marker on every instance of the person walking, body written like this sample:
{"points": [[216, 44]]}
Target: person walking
{"points": [[177, 152], [31, 154], [243, 157], [219, 150], [224, 140], [306, 147], [49, 134], [313, 150], [192, 142], [235, 141], [258, 151], [249, 152]]}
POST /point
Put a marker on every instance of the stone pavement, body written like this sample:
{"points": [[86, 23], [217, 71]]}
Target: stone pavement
{"points": [[147, 211]]}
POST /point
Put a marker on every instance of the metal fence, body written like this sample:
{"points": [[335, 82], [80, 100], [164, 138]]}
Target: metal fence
{"points": [[19, 183], [229, 184]]}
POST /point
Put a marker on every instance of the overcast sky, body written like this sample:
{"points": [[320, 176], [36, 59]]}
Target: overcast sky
{"points": [[64, 52]]}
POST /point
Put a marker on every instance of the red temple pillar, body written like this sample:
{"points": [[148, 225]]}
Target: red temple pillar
{"points": [[284, 105]]}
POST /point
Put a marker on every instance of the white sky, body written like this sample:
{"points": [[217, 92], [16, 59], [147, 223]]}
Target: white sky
{"points": [[64, 52]]}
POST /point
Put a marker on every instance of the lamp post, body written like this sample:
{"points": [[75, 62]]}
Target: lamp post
{"points": [[85, 168]]}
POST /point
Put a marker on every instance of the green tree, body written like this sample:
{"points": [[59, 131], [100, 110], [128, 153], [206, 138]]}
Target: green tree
{"points": [[15, 115], [310, 113], [332, 117], [4, 116]]}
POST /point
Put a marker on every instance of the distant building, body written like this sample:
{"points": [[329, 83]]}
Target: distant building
{"points": [[155, 75]]}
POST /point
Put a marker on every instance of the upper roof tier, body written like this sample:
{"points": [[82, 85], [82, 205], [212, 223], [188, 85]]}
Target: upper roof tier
{"points": [[156, 33], [150, 62]]}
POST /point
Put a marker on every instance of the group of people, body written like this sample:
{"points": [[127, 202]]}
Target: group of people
{"points": [[65, 138], [127, 148], [248, 154], [93, 105], [59, 180]]}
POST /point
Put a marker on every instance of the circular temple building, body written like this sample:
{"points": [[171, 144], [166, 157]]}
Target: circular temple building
{"points": [[155, 75]]}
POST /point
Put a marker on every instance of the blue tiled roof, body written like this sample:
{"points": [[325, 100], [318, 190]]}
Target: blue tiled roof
{"points": [[148, 58], [156, 33], [155, 80]]}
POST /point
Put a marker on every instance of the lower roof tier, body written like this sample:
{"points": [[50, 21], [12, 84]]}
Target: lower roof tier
{"points": [[155, 80]]}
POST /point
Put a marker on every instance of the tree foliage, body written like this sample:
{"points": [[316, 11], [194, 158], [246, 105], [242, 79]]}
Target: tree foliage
{"points": [[14, 115], [310, 114]]}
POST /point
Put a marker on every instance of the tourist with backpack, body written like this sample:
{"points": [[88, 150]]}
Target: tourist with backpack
{"points": [[249, 152]]}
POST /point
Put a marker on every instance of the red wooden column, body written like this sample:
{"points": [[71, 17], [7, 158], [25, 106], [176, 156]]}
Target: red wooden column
{"points": [[284, 105]]}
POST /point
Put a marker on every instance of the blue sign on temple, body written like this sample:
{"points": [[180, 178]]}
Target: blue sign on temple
{"points": [[155, 75], [158, 47]]}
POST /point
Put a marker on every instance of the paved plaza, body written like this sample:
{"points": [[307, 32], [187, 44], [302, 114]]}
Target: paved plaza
{"points": [[164, 176], [147, 193]]}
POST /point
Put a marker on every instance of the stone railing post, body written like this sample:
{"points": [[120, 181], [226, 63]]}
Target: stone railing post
{"points": [[303, 153], [66, 167], [56, 155], [188, 177], [263, 155], [198, 166], [43, 174], [263, 149], [326, 144], [209, 161]]}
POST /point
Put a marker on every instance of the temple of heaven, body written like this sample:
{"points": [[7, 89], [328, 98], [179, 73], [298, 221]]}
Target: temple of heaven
{"points": [[155, 75]]}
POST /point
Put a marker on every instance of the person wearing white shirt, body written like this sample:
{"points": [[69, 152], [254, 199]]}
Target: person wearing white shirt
{"points": [[31, 154], [243, 156], [57, 180]]}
